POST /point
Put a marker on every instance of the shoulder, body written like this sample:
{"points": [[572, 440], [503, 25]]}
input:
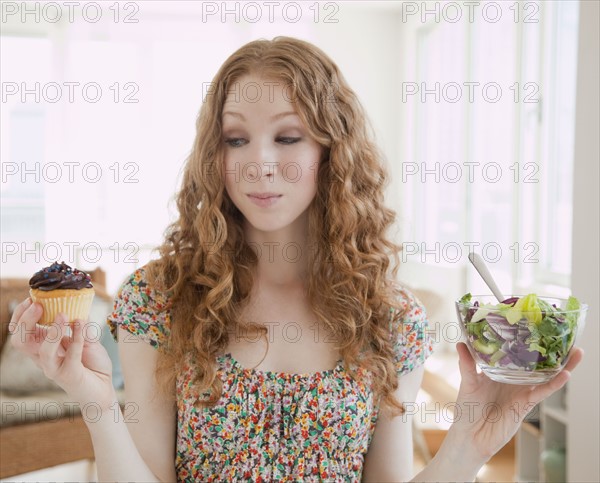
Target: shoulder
{"points": [[141, 310], [411, 307], [409, 327]]}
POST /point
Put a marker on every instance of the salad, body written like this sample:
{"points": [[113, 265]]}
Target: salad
{"points": [[525, 333]]}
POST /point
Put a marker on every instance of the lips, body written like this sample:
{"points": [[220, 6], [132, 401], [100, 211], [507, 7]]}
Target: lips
{"points": [[264, 200], [264, 196]]}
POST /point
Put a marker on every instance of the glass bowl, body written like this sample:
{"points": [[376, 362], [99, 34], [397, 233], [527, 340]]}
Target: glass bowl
{"points": [[527, 344]]}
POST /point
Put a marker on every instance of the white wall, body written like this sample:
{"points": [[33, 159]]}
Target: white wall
{"points": [[365, 45], [583, 444]]}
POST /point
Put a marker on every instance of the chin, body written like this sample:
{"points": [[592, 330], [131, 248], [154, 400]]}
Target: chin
{"points": [[265, 224]]}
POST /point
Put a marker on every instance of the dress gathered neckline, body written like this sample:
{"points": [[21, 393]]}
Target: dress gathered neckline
{"points": [[284, 375]]}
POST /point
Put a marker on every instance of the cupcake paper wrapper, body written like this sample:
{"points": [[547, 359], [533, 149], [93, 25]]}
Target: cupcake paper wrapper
{"points": [[75, 307]]}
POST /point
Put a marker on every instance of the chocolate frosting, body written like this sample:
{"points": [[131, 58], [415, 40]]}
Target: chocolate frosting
{"points": [[60, 276]]}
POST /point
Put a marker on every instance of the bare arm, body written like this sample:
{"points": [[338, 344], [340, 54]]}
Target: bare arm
{"points": [[142, 446], [472, 439], [390, 456]]}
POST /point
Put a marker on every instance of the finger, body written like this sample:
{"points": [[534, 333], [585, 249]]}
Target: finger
{"points": [[25, 328], [542, 391], [91, 332], [75, 350], [545, 390], [29, 319], [49, 348], [466, 362], [575, 358], [18, 312]]}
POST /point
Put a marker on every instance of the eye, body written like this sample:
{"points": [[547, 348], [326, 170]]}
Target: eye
{"points": [[287, 140], [235, 142]]}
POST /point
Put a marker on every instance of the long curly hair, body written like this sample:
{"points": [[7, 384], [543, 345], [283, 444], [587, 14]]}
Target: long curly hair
{"points": [[205, 264]]}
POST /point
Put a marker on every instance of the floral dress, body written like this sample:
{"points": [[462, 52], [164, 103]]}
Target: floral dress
{"points": [[271, 426]]}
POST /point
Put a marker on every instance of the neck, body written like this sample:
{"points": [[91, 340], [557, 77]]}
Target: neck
{"points": [[282, 255]]}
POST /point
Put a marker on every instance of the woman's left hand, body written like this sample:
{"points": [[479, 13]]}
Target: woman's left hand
{"points": [[489, 413]]}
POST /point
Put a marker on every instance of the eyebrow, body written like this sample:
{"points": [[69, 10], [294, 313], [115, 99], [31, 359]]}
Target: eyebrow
{"points": [[276, 116]]}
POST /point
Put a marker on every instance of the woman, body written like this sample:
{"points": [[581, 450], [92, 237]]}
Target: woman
{"points": [[282, 230]]}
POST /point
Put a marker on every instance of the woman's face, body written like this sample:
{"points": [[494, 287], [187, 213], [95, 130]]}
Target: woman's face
{"points": [[268, 151]]}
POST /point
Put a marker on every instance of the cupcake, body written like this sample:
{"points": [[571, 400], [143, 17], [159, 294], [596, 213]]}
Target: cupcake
{"points": [[59, 288]]}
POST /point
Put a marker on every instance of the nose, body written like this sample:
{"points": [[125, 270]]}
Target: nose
{"points": [[263, 164], [267, 169]]}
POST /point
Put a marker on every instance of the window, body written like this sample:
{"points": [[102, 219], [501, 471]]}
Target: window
{"points": [[103, 167], [23, 214], [558, 124], [492, 172]]}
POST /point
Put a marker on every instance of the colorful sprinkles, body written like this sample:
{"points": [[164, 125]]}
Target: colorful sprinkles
{"points": [[60, 275]]}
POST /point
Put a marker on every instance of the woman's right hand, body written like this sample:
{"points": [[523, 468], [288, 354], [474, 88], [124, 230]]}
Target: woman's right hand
{"points": [[80, 366]]}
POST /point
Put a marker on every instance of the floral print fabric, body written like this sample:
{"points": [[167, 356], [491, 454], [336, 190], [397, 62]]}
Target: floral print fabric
{"points": [[271, 426]]}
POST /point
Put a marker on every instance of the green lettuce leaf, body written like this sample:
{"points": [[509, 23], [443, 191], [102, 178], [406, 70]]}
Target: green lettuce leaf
{"points": [[527, 307], [572, 304]]}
